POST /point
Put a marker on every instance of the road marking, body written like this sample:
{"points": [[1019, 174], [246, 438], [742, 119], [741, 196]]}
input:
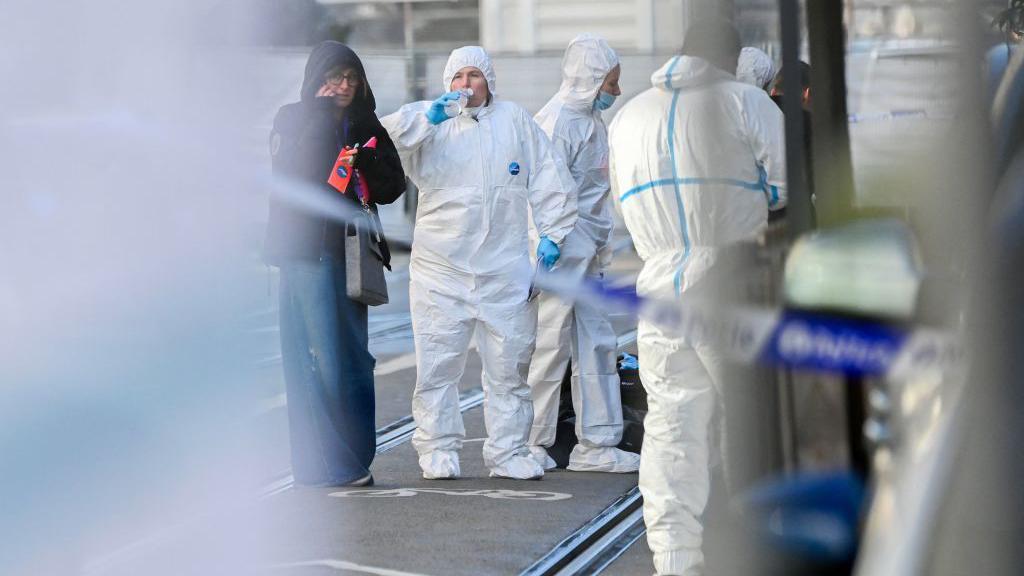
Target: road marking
{"points": [[486, 493], [343, 565]]}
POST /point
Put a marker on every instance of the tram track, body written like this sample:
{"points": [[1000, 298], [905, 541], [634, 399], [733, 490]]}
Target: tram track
{"points": [[595, 545], [604, 538], [388, 437], [599, 542]]}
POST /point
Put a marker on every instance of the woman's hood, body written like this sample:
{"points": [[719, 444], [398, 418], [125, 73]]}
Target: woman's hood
{"points": [[328, 55]]}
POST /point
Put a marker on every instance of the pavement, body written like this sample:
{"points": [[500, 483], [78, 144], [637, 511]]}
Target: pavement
{"points": [[473, 525], [405, 524]]}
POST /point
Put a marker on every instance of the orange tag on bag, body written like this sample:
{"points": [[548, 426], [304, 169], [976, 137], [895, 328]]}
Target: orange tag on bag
{"points": [[341, 174]]}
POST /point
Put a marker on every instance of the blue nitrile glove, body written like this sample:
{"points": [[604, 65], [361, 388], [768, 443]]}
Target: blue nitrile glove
{"points": [[629, 362], [436, 113], [548, 252]]}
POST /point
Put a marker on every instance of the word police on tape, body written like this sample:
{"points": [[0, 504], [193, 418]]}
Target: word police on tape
{"points": [[821, 342]]}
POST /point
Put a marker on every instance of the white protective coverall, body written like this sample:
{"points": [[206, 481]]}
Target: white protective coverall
{"points": [[755, 67], [696, 163], [580, 137], [470, 266]]}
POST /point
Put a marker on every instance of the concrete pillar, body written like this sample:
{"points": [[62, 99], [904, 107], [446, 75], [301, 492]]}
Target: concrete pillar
{"points": [[645, 26], [490, 25], [527, 16]]}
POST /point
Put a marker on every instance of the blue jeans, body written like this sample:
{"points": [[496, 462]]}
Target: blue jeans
{"points": [[328, 373]]}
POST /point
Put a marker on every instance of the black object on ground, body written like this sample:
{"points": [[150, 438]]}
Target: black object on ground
{"points": [[634, 409]]}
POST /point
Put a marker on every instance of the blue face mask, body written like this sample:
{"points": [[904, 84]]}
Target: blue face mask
{"points": [[604, 100]]}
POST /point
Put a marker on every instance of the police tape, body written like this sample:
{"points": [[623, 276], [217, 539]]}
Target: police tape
{"points": [[822, 342], [914, 113], [797, 339]]}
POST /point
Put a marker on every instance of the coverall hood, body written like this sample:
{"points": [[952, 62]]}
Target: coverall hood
{"points": [[330, 54], [755, 67], [688, 72], [474, 56], [586, 63]]}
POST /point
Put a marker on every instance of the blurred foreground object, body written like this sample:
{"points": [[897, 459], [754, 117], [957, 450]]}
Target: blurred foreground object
{"points": [[868, 267]]}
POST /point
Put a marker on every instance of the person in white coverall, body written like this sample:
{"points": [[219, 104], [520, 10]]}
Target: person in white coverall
{"points": [[755, 67], [572, 118], [470, 267], [697, 162]]}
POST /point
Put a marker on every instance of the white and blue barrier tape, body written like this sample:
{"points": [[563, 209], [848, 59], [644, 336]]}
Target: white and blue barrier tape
{"points": [[797, 339], [908, 114], [814, 341]]}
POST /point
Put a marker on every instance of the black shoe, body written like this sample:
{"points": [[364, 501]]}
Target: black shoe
{"points": [[361, 482]]}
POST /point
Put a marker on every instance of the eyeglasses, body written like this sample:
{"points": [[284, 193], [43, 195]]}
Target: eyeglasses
{"points": [[336, 80]]}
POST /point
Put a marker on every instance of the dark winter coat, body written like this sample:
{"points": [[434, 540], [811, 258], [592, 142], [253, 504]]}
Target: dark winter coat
{"points": [[305, 142]]}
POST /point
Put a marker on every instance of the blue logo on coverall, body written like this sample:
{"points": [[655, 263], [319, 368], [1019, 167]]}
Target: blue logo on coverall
{"points": [[513, 168]]}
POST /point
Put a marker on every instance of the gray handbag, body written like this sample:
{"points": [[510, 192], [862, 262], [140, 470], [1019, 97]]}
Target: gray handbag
{"points": [[364, 262]]}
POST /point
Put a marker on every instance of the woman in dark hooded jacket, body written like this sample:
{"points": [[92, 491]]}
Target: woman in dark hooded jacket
{"points": [[324, 342]]}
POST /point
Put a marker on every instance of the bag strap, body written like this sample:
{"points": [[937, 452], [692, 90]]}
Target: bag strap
{"points": [[371, 223], [362, 190]]}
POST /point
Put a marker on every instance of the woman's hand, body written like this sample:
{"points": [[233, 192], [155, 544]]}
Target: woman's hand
{"points": [[325, 91], [349, 159]]}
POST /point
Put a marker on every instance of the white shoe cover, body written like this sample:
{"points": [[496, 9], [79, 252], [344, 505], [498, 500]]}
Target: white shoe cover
{"points": [[518, 468], [603, 459], [541, 456], [440, 465]]}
